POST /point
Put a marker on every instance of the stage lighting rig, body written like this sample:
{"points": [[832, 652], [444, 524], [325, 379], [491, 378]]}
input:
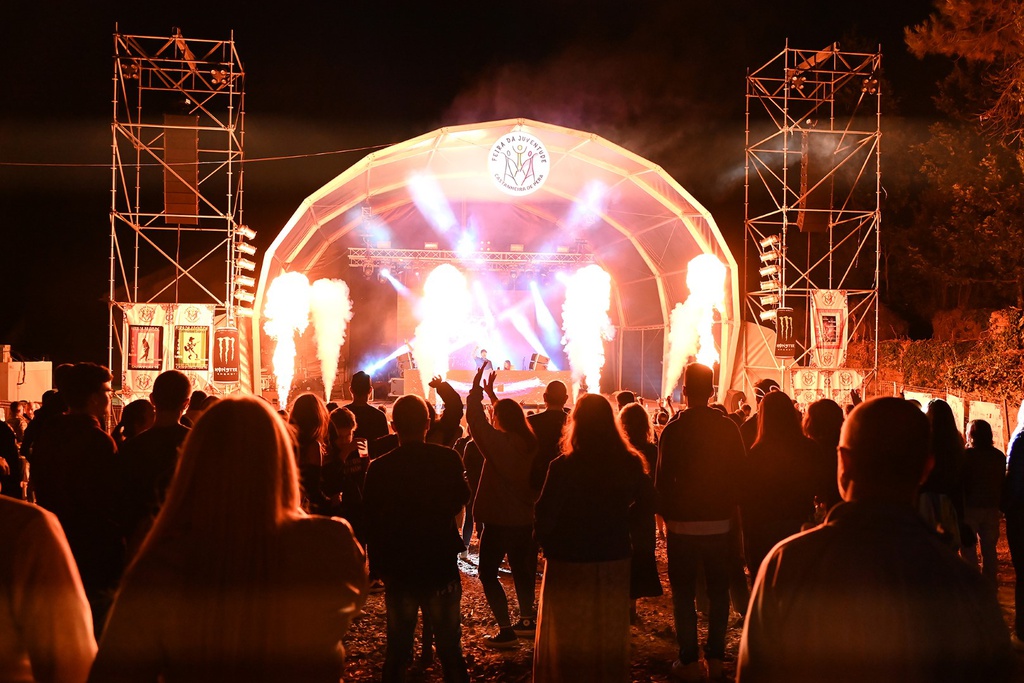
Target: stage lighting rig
{"points": [[771, 256], [245, 248]]}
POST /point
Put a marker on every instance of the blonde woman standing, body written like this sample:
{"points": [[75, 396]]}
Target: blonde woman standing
{"points": [[235, 581]]}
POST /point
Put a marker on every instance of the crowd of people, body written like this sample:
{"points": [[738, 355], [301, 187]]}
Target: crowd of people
{"points": [[206, 538]]}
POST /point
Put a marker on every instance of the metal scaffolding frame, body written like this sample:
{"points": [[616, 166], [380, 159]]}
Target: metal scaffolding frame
{"points": [[492, 261], [156, 251], [813, 191]]}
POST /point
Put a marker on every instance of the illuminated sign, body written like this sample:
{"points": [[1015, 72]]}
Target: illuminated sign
{"points": [[518, 163]]}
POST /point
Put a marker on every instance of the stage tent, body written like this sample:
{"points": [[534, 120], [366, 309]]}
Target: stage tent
{"points": [[640, 225]]}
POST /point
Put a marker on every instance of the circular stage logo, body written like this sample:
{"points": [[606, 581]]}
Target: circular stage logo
{"points": [[518, 163]]}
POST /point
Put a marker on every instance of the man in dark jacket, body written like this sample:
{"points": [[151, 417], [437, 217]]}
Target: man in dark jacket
{"points": [[548, 425], [873, 594], [700, 456], [77, 476], [410, 501], [371, 423], [151, 457]]}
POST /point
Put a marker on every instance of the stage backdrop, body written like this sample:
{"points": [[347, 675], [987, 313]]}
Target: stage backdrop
{"points": [[160, 337]]}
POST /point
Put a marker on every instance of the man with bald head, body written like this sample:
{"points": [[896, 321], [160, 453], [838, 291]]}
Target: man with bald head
{"points": [[873, 594], [410, 499]]}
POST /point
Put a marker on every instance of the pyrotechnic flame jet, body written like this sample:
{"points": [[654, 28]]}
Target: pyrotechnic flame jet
{"points": [[286, 312], [331, 307], [586, 324], [444, 312], [691, 322]]}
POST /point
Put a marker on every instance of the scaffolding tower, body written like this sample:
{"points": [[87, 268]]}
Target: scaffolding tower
{"points": [[812, 199], [176, 231]]}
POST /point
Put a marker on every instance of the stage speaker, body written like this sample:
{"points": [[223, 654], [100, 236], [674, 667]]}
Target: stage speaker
{"points": [[539, 362], [816, 183], [406, 362], [181, 176], [397, 387]]}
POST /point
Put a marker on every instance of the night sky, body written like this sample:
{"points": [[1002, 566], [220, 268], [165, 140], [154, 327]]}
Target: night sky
{"points": [[663, 79]]}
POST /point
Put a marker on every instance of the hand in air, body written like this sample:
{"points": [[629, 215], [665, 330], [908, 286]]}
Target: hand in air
{"points": [[476, 379], [436, 382], [489, 387]]}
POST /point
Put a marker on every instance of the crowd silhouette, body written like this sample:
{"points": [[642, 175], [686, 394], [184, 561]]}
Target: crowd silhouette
{"points": [[208, 538]]}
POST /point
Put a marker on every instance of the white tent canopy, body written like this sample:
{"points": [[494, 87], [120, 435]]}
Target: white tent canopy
{"points": [[639, 224]]}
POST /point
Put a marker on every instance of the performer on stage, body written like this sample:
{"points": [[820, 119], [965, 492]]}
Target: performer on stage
{"points": [[480, 358], [508, 365]]}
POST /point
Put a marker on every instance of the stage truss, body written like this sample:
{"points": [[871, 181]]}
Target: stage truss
{"points": [[813, 187], [176, 232], [371, 259]]}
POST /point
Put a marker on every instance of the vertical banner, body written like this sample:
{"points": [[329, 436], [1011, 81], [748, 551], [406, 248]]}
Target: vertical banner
{"points": [[225, 355], [785, 337], [144, 354], [829, 313], [145, 347], [191, 347]]}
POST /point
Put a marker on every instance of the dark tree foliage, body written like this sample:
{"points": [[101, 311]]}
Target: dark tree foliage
{"points": [[960, 238], [987, 35]]}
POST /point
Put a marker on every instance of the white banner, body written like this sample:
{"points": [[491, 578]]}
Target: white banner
{"points": [[829, 315], [956, 404], [919, 396], [993, 414], [160, 337], [811, 384]]}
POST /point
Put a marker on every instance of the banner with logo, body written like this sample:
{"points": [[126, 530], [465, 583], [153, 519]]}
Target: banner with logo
{"points": [[812, 384], [225, 355], [785, 337], [829, 313], [162, 336], [518, 163]]}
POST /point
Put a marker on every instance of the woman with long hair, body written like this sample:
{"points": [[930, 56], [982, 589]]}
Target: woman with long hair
{"points": [[1013, 510], [504, 506], [584, 526], [309, 421], [234, 581], [784, 474], [941, 501], [644, 581], [984, 474]]}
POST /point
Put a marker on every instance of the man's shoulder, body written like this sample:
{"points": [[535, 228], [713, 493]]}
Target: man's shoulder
{"points": [[548, 417], [173, 435], [414, 455], [700, 419]]}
